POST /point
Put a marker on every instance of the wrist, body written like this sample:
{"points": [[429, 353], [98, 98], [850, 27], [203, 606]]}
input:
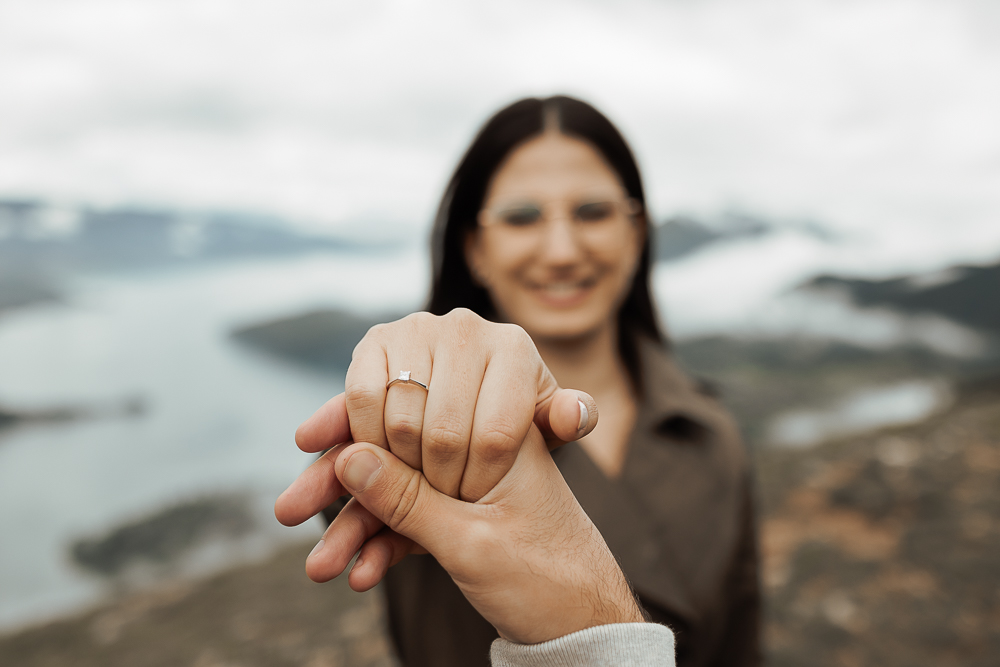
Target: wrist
{"points": [[619, 604], [602, 593], [579, 603], [607, 599]]}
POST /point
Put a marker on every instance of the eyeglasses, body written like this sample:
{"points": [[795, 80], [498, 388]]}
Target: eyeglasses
{"points": [[590, 216]]}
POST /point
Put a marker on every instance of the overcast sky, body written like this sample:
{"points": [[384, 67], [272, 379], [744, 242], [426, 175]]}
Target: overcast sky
{"points": [[873, 117]]}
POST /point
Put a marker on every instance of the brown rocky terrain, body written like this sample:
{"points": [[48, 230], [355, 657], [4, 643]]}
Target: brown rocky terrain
{"points": [[885, 549], [264, 614], [881, 549]]}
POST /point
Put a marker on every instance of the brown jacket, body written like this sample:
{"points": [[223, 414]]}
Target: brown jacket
{"points": [[680, 520]]}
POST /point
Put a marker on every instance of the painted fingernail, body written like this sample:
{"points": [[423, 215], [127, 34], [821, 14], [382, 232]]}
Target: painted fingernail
{"points": [[584, 417], [317, 548], [361, 470]]}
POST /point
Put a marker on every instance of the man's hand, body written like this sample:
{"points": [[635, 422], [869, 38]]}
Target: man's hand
{"points": [[525, 555]]}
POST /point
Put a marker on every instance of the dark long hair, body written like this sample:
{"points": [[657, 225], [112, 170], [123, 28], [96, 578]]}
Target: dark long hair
{"points": [[453, 285]]}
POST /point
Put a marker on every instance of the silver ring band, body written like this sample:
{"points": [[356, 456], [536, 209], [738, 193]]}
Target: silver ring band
{"points": [[404, 378]]}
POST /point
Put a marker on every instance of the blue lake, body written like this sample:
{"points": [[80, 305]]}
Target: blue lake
{"points": [[219, 417]]}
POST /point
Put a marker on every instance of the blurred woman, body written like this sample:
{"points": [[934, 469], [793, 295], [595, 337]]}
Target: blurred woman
{"points": [[544, 224]]}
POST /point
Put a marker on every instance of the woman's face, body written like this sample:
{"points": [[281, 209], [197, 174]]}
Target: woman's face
{"points": [[558, 242]]}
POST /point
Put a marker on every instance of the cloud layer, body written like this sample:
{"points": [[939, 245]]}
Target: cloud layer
{"points": [[876, 117]]}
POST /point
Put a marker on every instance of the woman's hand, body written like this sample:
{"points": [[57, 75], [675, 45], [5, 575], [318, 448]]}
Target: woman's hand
{"points": [[486, 386], [525, 555]]}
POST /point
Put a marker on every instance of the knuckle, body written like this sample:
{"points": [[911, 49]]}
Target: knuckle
{"points": [[467, 331], [464, 319], [360, 396], [444, 440], [402, 426], [377, 331], [418, 326], [403, 514], [358, 350], [376, 337], [417, 322], [368, 344], [517, 338], [497, 442], [480, 539]]}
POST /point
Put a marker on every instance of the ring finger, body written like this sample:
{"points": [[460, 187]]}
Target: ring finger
{"points": [[410, 368]]}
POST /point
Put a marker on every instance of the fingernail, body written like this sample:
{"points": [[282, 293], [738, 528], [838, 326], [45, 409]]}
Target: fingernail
{"points": [[358, 563], [317, 548], [361, 470], [584, 417]]}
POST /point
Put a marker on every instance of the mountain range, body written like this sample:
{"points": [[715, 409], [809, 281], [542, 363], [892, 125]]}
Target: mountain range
{"points": [[968, 295]]}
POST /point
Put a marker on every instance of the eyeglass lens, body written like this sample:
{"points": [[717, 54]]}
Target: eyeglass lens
{"points": [[526, 215]]}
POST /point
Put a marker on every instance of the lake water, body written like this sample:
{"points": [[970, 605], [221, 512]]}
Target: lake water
{"points": [[867, 409], [219, 417]]}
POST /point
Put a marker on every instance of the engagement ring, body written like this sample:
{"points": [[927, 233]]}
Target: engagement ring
{"points": [[404, 377]]}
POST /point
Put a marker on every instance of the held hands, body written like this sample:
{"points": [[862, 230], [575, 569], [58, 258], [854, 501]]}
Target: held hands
{"points": [[525, 555], [487, 386]]}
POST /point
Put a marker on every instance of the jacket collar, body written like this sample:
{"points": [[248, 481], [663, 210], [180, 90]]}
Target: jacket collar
{"points": [[671, 402]]}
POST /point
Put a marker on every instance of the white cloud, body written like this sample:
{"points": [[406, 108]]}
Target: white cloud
{"points": [[877, 117]]}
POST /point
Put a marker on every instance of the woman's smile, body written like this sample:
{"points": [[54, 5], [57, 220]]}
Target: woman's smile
{"points": [[563, 293]]}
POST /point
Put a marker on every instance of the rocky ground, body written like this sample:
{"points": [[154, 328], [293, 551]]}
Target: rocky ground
{"points": [[885, 549], [267, 614], [882, 549]]}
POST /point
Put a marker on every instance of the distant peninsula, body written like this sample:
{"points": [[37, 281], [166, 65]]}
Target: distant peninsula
{"points": [[321, 340]]}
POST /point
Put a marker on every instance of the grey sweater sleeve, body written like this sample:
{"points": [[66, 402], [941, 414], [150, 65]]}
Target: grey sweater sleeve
{"points": [[616, 645]]}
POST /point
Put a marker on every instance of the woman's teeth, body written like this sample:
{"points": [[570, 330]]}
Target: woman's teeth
{"points": [[563, 287]]}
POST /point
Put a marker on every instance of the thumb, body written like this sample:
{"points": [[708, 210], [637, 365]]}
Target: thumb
{"points": [[400, 496], [565, 416]]}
